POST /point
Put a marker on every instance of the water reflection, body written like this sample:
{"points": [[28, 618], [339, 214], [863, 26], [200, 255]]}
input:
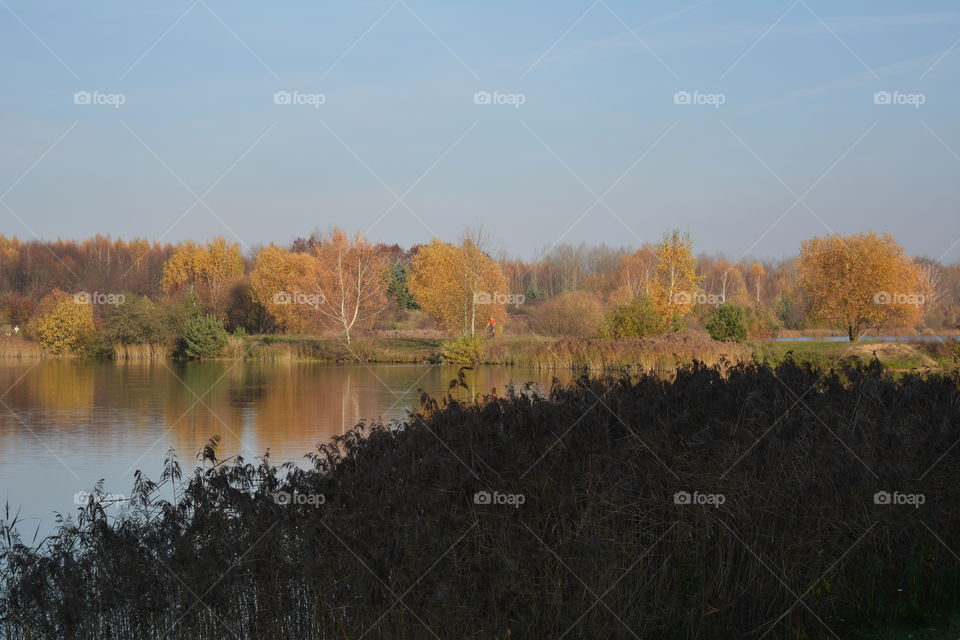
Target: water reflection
{"points": [[66, 424]]}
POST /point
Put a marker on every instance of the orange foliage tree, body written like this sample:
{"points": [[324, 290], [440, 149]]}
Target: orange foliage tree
{"points": [[205, 269], [347, 275], [860, 281], [275, 282], [458, 285]]}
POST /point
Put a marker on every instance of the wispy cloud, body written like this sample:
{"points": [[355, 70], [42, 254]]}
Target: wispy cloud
{"points": [[674, 36]]}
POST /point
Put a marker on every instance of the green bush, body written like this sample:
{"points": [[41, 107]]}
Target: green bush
{"points": [[140, 320], [396, 276], [465, 350], [634, 320], [728, 323], [203, 337]]}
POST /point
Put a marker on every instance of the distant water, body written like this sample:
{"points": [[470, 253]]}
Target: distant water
{"points": [[65, 424], [870, 339]]}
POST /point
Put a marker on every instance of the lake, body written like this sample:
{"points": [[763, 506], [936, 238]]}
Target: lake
{"points": [[868, 339], [65, 424]]}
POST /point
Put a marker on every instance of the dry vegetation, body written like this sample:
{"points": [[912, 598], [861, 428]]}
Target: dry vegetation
{"points": [[400, 548]]}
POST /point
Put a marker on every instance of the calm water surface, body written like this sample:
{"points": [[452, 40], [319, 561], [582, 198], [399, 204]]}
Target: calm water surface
{"points": [[869, 339], [64, 425]]}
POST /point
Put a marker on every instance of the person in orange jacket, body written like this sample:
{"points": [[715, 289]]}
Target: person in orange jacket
{"points": [[492, 326]]}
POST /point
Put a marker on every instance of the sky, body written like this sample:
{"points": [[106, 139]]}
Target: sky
{"points": [[753, 125]]}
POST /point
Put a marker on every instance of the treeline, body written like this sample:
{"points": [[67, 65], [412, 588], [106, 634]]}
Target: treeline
{"points": [[102, 294]]}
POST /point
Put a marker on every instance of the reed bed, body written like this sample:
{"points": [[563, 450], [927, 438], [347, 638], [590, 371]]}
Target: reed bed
{"points": [[332, 349], [657, 354], [17, 347], [141, 352], [602, 546]]}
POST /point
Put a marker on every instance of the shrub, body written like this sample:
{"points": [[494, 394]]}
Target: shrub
{"points": [[245, 312], [728, 323], [762, 324], [140, 320], [634, 320], [64, 325], [462, 350], [788, 313], [573, 313], [203, 337]]}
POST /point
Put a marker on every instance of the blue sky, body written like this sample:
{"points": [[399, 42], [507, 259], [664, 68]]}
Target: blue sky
{"points": [[598, 151]]}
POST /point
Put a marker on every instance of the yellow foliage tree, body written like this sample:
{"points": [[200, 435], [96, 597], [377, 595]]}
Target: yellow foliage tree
{"points": [[205, 269], [275, 282], [860, 281], [64, 324], [460, 286], [675, 284], [757, 275]]}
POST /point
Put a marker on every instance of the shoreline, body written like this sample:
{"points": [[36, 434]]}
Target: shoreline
{"points": [[537, 352]]}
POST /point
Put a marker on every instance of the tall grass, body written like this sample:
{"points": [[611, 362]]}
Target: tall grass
{"points": [[657, 354], [141, 352], [600, 548], [17, 347]]}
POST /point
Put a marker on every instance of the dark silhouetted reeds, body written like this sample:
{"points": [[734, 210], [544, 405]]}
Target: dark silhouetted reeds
{"points": [[599, 547]]}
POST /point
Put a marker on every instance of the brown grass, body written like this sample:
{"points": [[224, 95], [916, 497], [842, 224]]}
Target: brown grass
{"points": [[17, 347], [656, 354], [140, 352]]}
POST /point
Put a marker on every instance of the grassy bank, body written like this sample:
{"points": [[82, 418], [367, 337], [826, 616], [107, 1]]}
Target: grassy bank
{"points": [[657, 354], [894, 355], [710, 505]]}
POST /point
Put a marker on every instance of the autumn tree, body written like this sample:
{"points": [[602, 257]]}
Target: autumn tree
{"points": [[725, 280], [347, 276], [275, 280], [64, 324], [675, 284], [204, 269], [637, 270], [860, 281], [458, 285], [757, 276]]}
